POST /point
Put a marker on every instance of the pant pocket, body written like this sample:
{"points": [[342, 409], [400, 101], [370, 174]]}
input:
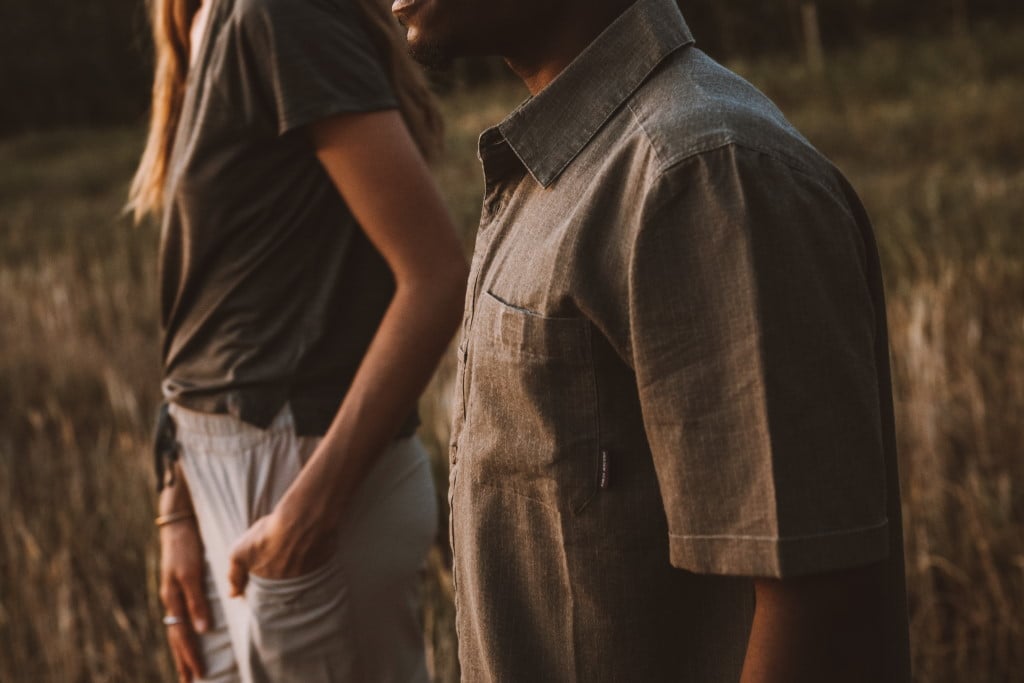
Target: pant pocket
{"points": [[301, 628], [291, 588]]}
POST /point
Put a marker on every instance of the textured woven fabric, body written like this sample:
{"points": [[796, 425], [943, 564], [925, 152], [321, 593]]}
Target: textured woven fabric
{"points": [[673, 375]]}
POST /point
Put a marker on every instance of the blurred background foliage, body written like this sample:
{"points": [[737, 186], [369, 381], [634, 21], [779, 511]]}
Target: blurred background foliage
{"points": [[87, 62]]}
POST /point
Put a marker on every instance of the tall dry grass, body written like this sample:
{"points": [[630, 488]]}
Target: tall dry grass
{"points": [[928, 131]]}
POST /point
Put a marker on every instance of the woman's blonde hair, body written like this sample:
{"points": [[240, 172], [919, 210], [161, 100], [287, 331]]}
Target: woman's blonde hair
{"points": [[171, 22]]}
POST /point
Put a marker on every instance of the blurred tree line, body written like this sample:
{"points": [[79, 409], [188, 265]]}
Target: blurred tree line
{"points": [[87, 62]]}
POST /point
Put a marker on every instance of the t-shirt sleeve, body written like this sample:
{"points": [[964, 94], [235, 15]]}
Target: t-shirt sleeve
{"points": [[753, 336], [312, 59]]}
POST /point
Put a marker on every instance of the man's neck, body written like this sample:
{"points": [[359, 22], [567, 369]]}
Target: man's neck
{"points": [[557, 44]]}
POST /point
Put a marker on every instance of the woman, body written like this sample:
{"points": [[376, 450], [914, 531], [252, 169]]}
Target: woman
{"points": [[310, 280]]}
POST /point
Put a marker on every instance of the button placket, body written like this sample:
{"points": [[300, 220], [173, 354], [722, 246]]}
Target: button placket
{"points": [[497, 194], [495, 203]]}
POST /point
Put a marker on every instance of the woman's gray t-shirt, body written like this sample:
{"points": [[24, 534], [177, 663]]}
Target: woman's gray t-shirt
{"points": [[270, 291]]}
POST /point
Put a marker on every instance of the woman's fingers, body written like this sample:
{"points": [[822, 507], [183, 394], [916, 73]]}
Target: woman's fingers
{"points": [[238, 573], [182, 592], [184, 674], [249, 553], [183, 600], [183, 644], [191, 583], [186, 653]]}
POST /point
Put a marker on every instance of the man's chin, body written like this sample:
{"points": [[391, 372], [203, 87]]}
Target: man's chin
{"points": [[418, 20], [432, 55]]}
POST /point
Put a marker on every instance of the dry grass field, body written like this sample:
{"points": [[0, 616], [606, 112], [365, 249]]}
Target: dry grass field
{"points": [[929, 131]]}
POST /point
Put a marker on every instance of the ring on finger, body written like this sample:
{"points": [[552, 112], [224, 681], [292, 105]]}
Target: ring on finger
{"points": [[171, 620]]}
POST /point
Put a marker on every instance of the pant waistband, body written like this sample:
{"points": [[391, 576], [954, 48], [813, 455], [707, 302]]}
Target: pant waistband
{"points": [[224, 425], [175, 423]]}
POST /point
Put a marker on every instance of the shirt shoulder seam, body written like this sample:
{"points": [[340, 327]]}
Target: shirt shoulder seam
{"points": [[647, 136], [714, 145]]}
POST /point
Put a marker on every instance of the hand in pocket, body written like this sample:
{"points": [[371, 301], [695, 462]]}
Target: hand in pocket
{"points": [[272, 549]]}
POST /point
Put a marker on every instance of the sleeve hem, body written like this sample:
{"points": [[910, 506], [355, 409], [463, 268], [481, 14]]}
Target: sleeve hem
{"points": [[307, 115], [780, 557]]}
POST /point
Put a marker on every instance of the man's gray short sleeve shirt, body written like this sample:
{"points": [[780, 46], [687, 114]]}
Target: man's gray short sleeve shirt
{"points": [[673, 374]]}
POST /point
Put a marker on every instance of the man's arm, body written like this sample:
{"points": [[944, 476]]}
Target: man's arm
{"points": [[825, 627], [756, 334]]}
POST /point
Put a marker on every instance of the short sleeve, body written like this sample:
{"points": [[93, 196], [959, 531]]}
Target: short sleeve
{"points": [[313, 59], [753, 335]]}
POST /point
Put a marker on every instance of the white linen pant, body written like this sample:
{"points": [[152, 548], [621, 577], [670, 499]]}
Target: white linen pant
{"points": [[356, 619]]}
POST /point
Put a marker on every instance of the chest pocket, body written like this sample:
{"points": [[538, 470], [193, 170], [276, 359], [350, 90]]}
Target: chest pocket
{"points": [[531, 420]]}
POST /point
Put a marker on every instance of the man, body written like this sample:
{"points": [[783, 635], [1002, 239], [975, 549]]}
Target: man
{"points": [[673, 454]]}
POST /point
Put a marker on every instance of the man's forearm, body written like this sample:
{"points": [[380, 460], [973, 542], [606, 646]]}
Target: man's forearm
{"points": [[818, 628]]}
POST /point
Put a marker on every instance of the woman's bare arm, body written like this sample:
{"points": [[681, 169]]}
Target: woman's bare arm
{"points": [[376, 167]]}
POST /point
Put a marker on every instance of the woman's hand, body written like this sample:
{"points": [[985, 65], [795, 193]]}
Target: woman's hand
{"points": [[182, 593], [276, 548]]}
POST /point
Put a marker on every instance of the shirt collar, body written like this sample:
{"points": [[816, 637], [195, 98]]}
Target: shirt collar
{"points": [[549, 130]]}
